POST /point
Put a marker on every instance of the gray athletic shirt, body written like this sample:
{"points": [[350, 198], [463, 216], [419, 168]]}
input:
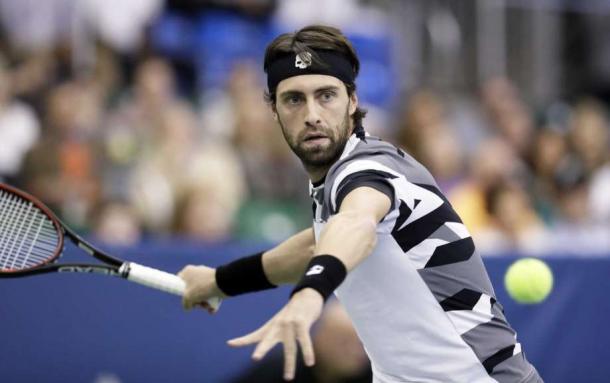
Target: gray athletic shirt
{"points": [[422, 302]]}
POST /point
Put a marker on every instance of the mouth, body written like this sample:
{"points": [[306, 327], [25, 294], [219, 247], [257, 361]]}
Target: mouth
{"points": [[314, 137]]}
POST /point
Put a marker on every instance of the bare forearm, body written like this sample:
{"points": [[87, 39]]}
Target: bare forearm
{"points": [[349, 236], [286, 262]]}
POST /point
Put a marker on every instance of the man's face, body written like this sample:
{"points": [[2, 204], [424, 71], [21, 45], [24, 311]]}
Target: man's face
{"points": [[314, 112]]}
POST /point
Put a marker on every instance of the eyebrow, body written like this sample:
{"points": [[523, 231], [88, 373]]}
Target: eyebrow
{"points": [[326, 88], [316, 91], [289, 93]]}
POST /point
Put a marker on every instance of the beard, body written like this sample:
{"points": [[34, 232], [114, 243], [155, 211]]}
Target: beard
{"points": [[322, 155]]}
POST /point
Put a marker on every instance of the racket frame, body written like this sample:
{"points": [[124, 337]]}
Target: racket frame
{"points": [[131, 271], [112, 264]]}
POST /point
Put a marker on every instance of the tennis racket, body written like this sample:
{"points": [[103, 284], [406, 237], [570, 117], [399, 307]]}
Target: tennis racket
{"points": [[32, 240]]}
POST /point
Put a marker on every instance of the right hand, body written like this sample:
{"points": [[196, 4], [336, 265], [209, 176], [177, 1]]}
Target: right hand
{"points": [[200, 287], [291, 327]]}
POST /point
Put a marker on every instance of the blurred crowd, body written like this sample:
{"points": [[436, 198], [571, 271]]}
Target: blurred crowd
{"points": [[124, 141], [520, 183]]}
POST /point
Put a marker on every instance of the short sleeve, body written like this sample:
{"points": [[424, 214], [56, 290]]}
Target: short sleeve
{"points": [[370, 178]]}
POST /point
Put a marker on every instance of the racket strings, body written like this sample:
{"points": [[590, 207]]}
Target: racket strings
{"points": [[23, 245], [27, 236]]}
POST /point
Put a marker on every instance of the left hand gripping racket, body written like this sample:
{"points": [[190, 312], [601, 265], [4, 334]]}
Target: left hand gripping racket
{"points": [[32, 240]]}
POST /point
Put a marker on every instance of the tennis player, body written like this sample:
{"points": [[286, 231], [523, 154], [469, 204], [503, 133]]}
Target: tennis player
{"points": [[384, 239]]}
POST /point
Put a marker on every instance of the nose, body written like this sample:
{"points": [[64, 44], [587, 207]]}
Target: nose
{"points": [[312, 117]]}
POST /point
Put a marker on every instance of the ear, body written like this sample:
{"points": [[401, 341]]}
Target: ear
{"points": [[273, 111], [353, 103]]}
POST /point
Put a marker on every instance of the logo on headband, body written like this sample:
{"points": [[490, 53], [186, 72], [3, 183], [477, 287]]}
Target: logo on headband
{"points": [[302, 60]]}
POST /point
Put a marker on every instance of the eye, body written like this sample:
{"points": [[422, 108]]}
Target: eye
{"points": [[293, 99], [327, 95]]}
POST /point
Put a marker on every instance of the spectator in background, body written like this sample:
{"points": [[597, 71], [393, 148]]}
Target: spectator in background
{"points": [[160, 173], [443, 156], [588, 135], [548, 150], [340, 357], [509, 117], [62, 168], [513, 225], [206, 214], [132, 137], [579, 226], [429, 136], [107, 76], [34, 76], [19, 128], [422, 115], [575, 231], [154, 89], [572, 183], [494, 162], [159, 159], [590, 138], [214, 191], [115, 223]]}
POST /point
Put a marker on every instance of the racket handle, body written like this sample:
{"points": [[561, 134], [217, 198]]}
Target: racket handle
{"points": [[159, 280]]}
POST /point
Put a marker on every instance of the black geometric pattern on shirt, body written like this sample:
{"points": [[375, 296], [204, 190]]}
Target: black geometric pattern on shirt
{"points": [[404, 212], [377, 179], [420, 229], [434, 189], [368, 173], [465, 299], [363, 175], [498, 358], [400, 152], [313, 209], [452, 252], [416, 202]]}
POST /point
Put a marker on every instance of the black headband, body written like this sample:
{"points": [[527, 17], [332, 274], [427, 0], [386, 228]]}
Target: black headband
{"points": [[290, 65]]}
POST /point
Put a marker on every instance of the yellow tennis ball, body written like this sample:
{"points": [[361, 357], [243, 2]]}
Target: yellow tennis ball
{"points": [[528, 280]]}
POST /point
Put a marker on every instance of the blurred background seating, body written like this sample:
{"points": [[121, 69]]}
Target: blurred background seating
{"points": [[154, 110]]}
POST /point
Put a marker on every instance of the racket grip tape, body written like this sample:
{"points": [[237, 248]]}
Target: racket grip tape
{"points": [[159, 280]]}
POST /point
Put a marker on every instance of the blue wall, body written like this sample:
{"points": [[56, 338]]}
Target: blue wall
{"points": [[75, 328]]}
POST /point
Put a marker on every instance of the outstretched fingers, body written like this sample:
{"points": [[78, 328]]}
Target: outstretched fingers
{"points": [[296, 333], [251, 338], [304, 340], [266, 344], [290, 356], [290, 327]]}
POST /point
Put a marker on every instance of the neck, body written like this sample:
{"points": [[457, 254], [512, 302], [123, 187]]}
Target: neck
{"points": [[316, 174]]}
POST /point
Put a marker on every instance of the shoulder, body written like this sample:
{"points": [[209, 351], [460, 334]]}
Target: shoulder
{"points": [[368, 162], [372, 161], [363, 153], [374, 155], [371, 146]]}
